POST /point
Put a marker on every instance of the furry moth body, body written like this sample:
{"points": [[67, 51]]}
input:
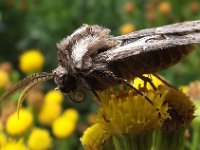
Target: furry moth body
{"points": [[92, 58]]}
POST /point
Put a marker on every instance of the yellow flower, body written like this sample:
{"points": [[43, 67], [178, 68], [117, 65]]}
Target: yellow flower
{"points": [[49, 113], [140, 83], [31, 61], [6, 66], [63, 127], [54, 96], [17, 125], [14, 145], [165, 7], [71, 114], [127, 28], [3, 139], [129, 7], [1, 123], [194, 6], [151, 15], [93, 137], [122, 111], [39, 139], [4, 79]]}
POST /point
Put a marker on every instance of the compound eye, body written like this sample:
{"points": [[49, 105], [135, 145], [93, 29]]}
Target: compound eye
{"points": [[68, 83], [77, 96]]}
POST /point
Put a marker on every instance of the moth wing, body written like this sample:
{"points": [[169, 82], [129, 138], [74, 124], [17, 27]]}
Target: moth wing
{"points": [[148, 54], [148, 44], [177, 28]]}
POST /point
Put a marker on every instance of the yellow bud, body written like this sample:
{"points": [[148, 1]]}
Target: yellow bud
{"points": [[6, 66], [4, 79], [129, 7], [31, 61], [71, 114], [39, 139], [195, 6], [2, 139], [17, 125], [54, 96], [49, 113], [63, 127], [165, 7], [151, 15], [127, 28], [14, 145]]}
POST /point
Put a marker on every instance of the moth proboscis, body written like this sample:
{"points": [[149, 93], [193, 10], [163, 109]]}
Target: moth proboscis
{"points": [[94, 59]]}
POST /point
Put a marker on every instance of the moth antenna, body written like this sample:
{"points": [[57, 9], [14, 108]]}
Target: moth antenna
{"points": [[38, 77], [23, 95], [26, 90]]}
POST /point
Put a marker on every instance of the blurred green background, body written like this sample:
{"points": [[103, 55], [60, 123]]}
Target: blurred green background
{"points": [[40, 24]]}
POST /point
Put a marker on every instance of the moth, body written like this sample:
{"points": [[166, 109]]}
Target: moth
{"points": [[92, 58]]}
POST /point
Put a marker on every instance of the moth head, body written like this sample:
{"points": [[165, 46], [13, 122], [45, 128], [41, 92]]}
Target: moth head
{"points": [[68, 83], [65, 81]]}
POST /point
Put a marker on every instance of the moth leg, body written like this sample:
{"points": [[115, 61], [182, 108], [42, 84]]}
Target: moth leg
{"points": [[87, 86], [121, 80], [71, 97], [163, 81], [128, 84], [98, 100], [147, 80]]}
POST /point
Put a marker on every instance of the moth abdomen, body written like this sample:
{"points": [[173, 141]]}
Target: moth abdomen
{"points": [[149, 62]]}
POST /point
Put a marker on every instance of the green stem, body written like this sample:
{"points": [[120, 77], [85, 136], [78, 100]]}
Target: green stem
{"points": [[107, 145], [63, 144], [133, 142], [169, 140], [195, 138]]}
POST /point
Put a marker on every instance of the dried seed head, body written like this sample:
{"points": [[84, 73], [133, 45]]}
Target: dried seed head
{"points": [[181, 110]]}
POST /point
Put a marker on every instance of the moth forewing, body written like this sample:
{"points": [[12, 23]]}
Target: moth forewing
{"points": [[147, 45], [177, 28]]}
